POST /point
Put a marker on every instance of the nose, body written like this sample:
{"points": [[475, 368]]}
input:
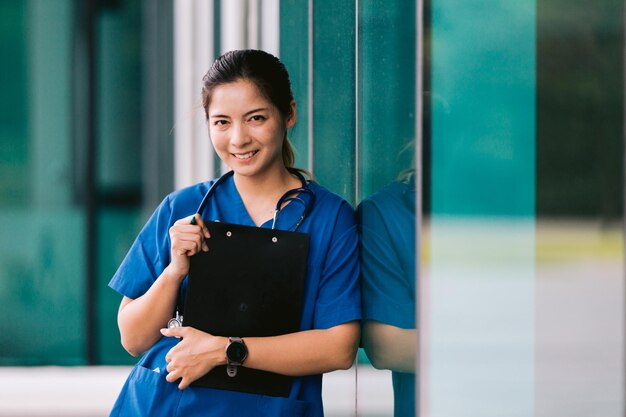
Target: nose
{"points": [[239, 135]]}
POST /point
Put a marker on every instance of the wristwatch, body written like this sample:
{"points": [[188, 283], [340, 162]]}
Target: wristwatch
{"points": [[236, 353]]}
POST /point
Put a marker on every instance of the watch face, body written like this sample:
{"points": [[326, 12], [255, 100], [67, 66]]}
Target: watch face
{"points": [[237, 352]]}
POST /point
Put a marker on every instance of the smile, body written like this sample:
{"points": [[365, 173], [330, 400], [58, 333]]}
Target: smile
{"points": [[245, 155]]}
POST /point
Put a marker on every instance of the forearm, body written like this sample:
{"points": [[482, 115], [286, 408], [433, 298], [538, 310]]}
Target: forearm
{"points": [[305, 353], [390, 347], [140, 320]]}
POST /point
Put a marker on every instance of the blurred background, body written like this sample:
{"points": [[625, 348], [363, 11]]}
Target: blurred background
{"points": [[482, 142]]}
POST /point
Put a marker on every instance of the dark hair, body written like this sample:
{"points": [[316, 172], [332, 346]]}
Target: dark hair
{"points": [[268, 74]]}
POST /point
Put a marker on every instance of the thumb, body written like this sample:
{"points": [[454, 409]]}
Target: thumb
{"points": [[172, 332]]}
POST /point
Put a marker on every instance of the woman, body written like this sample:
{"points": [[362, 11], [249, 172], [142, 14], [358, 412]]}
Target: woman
{"points": [[249, 107], [389, 334]]}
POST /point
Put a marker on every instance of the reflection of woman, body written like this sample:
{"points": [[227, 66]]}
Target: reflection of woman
{"points": [[249, 107], [387, 221]]}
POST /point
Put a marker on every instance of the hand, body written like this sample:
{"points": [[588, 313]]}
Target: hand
{"points": [[195, 355], [187, 240]]}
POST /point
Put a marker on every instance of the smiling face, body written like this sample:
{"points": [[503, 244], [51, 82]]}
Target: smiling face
{"points": [[246, 129]]}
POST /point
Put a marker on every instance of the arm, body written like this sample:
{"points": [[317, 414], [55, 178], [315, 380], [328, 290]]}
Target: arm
{"points": [[140, 319], [390, 347], [305, 353], [297, 354], [388, 281]]}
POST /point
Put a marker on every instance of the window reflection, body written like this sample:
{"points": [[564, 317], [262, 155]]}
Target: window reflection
{"points": [[387, 222], [387, 183]]}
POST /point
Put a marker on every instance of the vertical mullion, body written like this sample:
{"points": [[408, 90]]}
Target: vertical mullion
{"points": [[310, 85], [357, 194], [419, 296], [84, 50]]}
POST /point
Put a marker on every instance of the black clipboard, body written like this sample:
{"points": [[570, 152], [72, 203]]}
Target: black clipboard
{"points": [[250, 283]]}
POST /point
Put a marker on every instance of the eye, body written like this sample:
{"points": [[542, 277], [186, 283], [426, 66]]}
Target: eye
{"points": [[257, 118], [220, 122]]}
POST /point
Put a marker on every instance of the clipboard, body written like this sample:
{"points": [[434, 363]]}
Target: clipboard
{"points": [[250, 283]]}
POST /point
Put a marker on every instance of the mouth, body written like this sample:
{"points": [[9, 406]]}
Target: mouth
{"points": [[246, 155]]}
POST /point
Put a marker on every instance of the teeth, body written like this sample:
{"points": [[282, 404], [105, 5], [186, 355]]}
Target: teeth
{"points": [[244, 155]]}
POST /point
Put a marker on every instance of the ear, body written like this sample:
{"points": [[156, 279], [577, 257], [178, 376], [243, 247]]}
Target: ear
{"points": [[291, 120]]}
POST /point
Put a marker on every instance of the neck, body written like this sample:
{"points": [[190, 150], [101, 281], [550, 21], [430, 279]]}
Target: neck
{"points": [[260, 193], [268, 184]]}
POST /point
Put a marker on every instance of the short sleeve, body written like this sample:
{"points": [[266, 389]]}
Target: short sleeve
{"points": [[339, 296], [147, 257], [388, 287]]}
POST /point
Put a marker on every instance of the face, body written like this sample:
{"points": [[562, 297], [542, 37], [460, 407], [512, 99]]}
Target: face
{"points": [[246, 129]]}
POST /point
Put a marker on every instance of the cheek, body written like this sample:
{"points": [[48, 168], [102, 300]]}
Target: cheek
{"points": [[217, 139]]}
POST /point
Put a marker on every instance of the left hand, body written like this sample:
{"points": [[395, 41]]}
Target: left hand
{"points": [[195, 355]]}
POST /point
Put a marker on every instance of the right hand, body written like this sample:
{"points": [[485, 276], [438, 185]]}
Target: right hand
{"points": [[187, 240]]}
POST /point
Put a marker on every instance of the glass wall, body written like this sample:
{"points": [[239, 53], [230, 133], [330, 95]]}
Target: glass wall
{"points": [[42, 215], [478, 317], [521, 286], [579, 293], [480, 142], [72, 183]]}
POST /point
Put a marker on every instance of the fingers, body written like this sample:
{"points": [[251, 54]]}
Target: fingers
{"points": [[184, 361], [188, 236], [175, 375], [196, 219], [197, 353]]}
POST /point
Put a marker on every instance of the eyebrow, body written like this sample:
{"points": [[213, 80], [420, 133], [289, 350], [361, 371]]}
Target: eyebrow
{"points": [[245, 114]]}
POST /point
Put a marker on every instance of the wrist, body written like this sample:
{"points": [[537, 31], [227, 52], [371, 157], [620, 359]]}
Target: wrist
{"points": [[223, 358], [173, 275]]}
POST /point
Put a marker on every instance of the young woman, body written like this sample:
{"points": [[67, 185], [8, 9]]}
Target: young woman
{"points": [[249, 108]]}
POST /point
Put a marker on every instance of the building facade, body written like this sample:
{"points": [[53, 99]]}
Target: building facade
{"points": [[481, 141]]}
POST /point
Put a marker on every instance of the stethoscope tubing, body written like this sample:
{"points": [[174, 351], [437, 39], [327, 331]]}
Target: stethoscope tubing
{"points": [[290, 196]]}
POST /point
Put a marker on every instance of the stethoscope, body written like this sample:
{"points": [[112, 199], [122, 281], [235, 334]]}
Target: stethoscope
{"points": [[302, 195]]}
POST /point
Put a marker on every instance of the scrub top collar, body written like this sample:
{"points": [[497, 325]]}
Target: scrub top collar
{"points": [[229, 202]]}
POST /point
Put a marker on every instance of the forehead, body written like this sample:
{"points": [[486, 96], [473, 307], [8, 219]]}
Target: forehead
{"points": [[239, 95]]}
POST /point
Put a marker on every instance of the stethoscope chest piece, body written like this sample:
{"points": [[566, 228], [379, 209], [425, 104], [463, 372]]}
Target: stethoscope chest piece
{"points": [[175, 321]]}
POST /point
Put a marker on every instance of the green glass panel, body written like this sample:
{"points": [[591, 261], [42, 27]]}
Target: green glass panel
{"points": [[386, 186], [118, 160], [386, 92], [294, 47], [118, 117], [41, 287], [117, 229], [14, 175], [477, 306], [334, 83], [42, 265]]}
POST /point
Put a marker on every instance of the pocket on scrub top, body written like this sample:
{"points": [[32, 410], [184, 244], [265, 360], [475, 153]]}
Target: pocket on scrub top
{"points": [[146, 393], [283, 407]]}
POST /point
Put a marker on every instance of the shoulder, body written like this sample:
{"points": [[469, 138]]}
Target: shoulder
{"points": [[393, 197], [328, 201], [187, 198], [325, 196], [332, 215]]}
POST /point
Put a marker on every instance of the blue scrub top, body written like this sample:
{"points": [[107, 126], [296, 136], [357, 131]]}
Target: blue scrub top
{"points": [[331, 297], [387, 223]]}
